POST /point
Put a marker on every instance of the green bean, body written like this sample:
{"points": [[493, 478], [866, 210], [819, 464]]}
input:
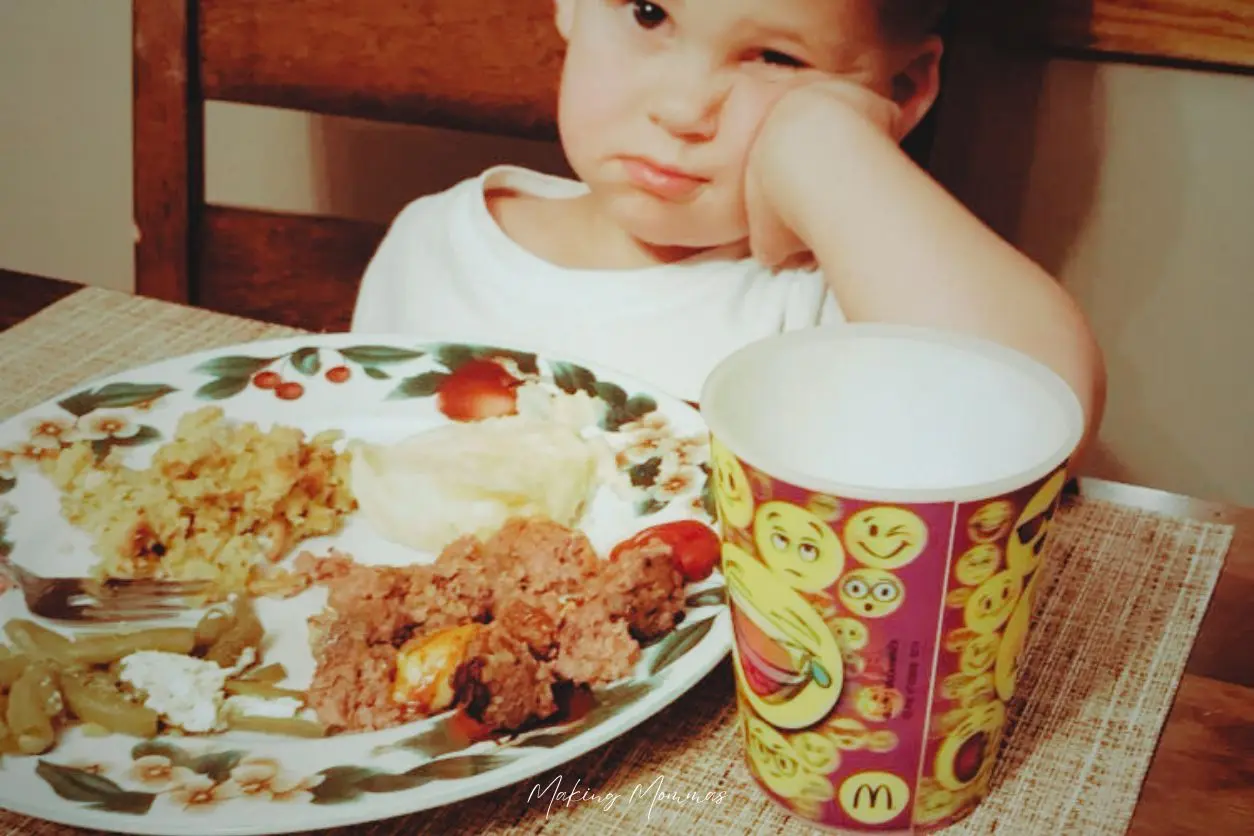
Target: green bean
{"points": [[245, 631], [103, 649], [39, 642], [274, 672], [11, 668], [262, 690], [211, 627], [33, 701], [291, 726], [93, 699]]}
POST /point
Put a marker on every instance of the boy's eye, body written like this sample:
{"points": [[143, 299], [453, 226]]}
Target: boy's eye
{"points": [[780, 59], [649, 15]]}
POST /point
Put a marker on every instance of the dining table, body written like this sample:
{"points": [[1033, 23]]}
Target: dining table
{"points": [[1139, 716]]}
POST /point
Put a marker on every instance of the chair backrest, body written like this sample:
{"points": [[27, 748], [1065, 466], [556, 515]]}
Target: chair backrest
{"points": [[482, 65]]}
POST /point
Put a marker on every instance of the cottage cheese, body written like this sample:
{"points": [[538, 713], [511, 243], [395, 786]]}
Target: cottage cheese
{"points": [[187, 692], [246, 706]]}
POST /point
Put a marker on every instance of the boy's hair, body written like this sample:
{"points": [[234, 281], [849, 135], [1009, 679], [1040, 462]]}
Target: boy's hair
{"points": [[909, 19]]}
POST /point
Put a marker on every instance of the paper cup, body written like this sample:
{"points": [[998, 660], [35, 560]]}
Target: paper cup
{"points": [[883, 494]]}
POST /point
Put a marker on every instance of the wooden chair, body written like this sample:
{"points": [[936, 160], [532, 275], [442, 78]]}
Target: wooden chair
{"points": [[479, 65]]}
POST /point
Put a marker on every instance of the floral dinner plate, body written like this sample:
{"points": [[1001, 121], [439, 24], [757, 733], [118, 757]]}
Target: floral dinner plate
{"points": [[376, 388]]}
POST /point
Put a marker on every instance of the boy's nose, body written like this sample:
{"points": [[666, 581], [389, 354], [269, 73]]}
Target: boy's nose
{"points": [[688, 105]]}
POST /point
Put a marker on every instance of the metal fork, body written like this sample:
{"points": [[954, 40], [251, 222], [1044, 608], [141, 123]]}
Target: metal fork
{"points": [[88, 599]]}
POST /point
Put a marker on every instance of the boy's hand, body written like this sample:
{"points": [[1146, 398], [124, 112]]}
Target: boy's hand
{"points": [[800, 131]]}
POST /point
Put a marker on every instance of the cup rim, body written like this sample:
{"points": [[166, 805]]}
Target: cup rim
{"points": [[1016, 360]]}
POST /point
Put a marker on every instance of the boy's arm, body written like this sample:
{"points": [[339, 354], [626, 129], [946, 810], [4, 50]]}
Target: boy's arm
{"points": [[896, 247]]}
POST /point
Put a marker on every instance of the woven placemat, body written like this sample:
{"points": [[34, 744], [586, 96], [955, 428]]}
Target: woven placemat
{"points": [[1124, 594]]}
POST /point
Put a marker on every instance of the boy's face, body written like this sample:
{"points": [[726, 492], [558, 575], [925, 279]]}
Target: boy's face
{"points": [[660, 102]]}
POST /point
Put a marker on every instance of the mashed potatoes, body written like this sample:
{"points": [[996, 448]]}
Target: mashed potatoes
{"points": [[428, 490]]}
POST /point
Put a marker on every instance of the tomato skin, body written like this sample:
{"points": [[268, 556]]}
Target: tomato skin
{"points": [[695, 547]]}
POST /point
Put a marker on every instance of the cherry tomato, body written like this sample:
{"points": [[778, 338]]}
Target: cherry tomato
{"points": [[695, 547]]}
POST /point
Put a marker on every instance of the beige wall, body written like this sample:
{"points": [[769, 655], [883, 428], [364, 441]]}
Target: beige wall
{"points": [[1134, 185]]}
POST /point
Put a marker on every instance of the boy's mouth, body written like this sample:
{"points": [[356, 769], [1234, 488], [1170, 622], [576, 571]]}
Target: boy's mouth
{"points": [[662, 181]]}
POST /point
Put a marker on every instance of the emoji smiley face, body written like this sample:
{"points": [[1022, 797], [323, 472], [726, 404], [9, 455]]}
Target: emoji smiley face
{"points": [[818, 752], [801, 548], [880, 742], [977, 564], [871, 593], [1010, 654], [879, 703], [732, 494], [967, 753], [851, 634], [776, 763], [990, 522], [1027, 538], [848, 734], [885, 537], [934, 803], [980, 653], [992, 602]]}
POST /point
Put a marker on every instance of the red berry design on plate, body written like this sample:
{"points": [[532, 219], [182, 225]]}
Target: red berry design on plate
{"points": [[267, 380], [339, 374], [289, 391], [479, 389]]}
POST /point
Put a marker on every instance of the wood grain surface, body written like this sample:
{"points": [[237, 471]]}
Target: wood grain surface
{"points": [[486, 65]]}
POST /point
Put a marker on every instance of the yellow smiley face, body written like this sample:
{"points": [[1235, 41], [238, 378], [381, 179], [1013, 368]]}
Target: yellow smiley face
{"points": [[968, 752], [885, 537], [1010, 654], [776, 763], [879, 703], [990, 522], [787, 662], [977, 564], [1027, 538], [990, 605], [732, 494], [851, 634], [818, 752], [935, 803], [801, 548], [848, 734], [871, 593], [980, 653]]}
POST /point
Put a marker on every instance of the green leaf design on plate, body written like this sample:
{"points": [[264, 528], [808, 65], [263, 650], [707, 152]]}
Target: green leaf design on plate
{"points": [[611, 393], [378, 355], [713, 597], [527, 363], [6, 545], [454, 355], [419, 386], [234, 366], [98, 792], [346, 783], [707, 494], [643, 475], [572, 379], [376, 374], [649, 505], [7, 485], [222, 388], [216, 765], [114, 396], [161, 748], [610, 702], [672, 648], [144, 435], [441, 738], [307, 361]]}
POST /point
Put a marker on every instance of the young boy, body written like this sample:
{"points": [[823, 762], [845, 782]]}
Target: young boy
{"points": [[739, 174]]}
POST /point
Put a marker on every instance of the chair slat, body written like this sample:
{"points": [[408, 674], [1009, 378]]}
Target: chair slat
{"points": [[291, 269], [483, 65]]}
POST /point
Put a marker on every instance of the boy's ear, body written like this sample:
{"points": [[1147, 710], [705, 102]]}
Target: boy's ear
{"points": [[565, 15], [917, 84]]}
